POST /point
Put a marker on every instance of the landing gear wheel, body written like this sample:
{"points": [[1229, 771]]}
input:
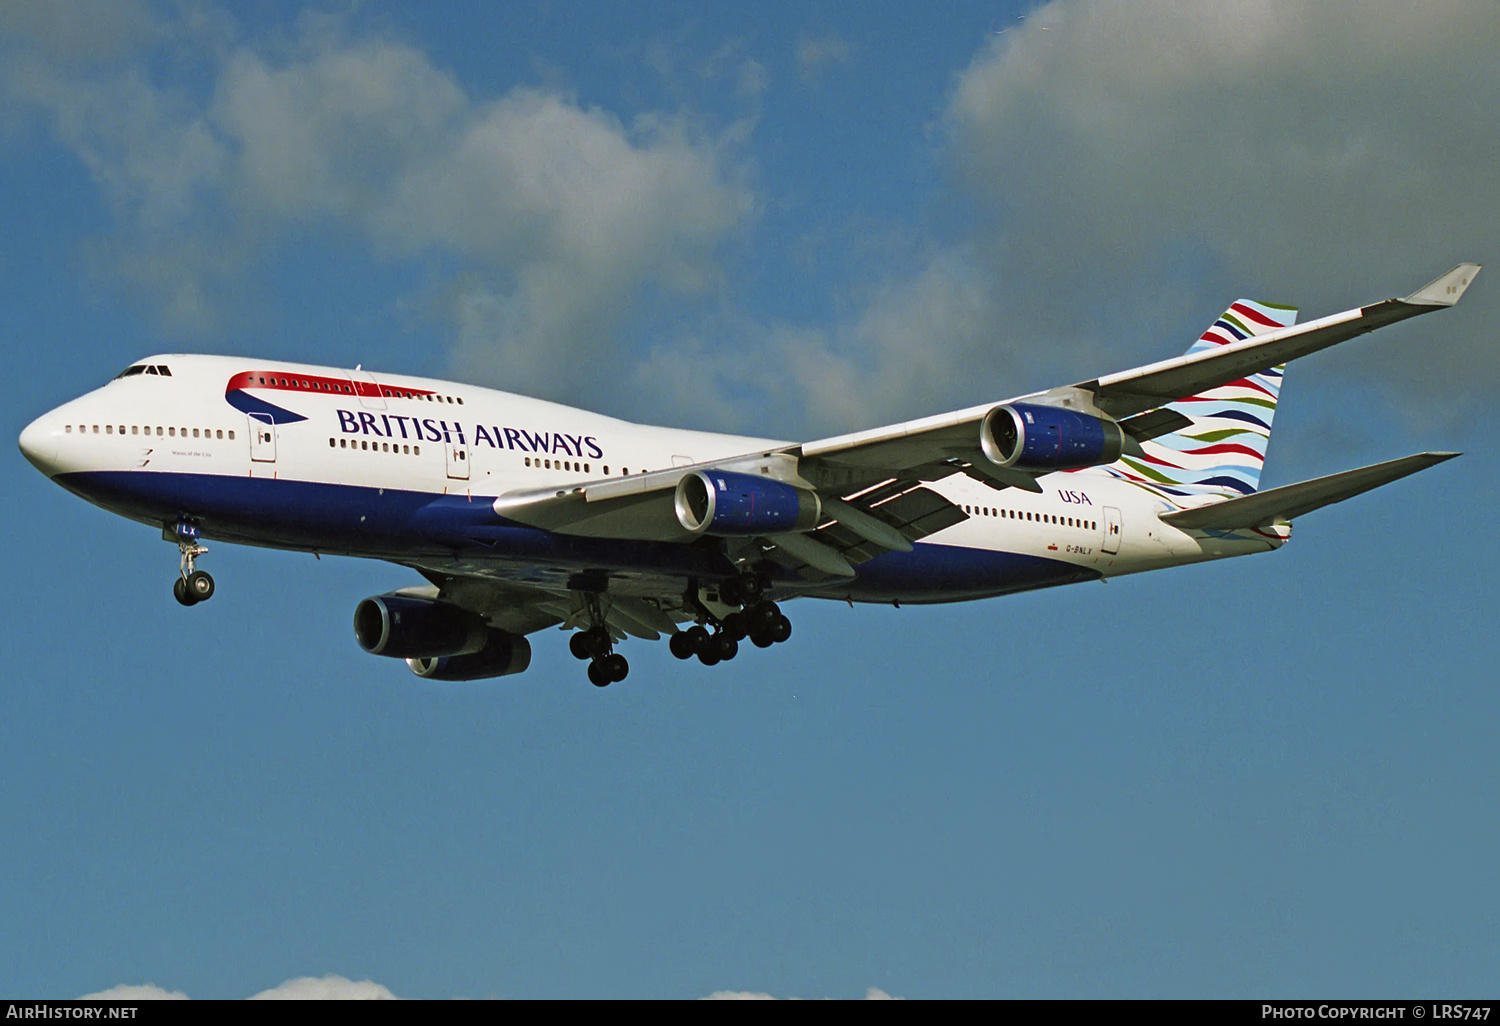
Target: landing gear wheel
{"points": [[781, 629], [726, 647], [735, 626], [181, 594], [615, 667], [579, 646], [761, 639], [709, 656], [697, 638], [597, 675], [200, 585], [681, 645], [761, 615], [751, 587]]}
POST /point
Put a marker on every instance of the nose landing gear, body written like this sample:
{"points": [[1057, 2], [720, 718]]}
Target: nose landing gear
{"points": [[192, 585]]}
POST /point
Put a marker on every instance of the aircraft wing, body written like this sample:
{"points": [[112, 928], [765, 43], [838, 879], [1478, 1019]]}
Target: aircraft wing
{"points": [[1285, 503], [1157, 384], [871, 482]]}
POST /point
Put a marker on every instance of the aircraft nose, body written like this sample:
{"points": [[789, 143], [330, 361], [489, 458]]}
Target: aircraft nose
{"points": [[39, 445]]}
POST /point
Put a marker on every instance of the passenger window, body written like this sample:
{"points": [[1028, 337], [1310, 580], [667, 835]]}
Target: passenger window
{"points": [[330, 443], [109, 429], [406, 450], [172, 431], [343, 443], [67, 429], [221, 433], [416, 450], [231, 436], [606, 471], [460, 400], [96, 429]]}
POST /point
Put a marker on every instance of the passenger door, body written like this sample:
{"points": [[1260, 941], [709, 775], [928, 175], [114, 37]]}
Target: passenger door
{"points": [[262, 437]]}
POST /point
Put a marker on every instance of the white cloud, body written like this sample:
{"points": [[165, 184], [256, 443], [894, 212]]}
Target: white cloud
{"points": [[327, 988], [135, 992], [548, 219], [1142, 157], [303, 988]]}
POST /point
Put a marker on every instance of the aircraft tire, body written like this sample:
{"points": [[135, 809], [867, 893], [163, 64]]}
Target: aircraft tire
{"points": [[181, 594], [735, 626], [698, 638], [708, 657], [680, 645], [616, 667], [597, 675], [726, 646], [579, 646], [199, 585], [780, 629]]}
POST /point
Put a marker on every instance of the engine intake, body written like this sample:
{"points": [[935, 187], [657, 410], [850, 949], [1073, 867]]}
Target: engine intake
{"points": [[410, 627], [503, 654], [1027, 436], [721, 502]]}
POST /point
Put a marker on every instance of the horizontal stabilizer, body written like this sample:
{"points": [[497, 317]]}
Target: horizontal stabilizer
{"points": [[1304, 497]]}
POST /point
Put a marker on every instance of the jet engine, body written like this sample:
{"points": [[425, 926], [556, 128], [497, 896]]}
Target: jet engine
{"points": [[720, 502], [502, 655], [412, 627], [1027, 436]]}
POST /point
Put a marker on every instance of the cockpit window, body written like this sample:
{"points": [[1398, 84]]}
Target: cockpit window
{"points": [[133, 369], [162, 369]]}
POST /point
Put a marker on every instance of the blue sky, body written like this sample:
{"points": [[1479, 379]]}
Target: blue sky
{"points": [[1266, 776]]}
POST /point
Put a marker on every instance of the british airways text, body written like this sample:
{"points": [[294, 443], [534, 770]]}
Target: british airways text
{"points": [[431, 429]]}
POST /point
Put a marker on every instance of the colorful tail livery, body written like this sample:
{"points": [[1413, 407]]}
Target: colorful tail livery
{"points": [[1225, 448]]}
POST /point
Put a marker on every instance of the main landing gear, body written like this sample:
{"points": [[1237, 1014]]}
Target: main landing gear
{"points": [[606, 666], [192, 585], [761, 620]]}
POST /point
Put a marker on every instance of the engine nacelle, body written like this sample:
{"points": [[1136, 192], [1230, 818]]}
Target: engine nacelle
{"points": [[1027, 436], [502, 655], [411, 627], [721, 502]]}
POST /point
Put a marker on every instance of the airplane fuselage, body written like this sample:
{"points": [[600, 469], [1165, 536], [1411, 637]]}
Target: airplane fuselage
{"points": [[403, 468]]}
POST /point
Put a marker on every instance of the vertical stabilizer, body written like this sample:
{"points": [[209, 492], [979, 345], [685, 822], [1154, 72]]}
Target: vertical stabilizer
{"points": [[1224, 449]]}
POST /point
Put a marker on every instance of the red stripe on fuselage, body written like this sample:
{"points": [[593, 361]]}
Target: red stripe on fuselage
{"points": [[282, 381]]}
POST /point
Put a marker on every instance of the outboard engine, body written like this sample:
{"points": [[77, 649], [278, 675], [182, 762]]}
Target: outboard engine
{"points": [[721, 502], [1028, 436], [502, 655]]}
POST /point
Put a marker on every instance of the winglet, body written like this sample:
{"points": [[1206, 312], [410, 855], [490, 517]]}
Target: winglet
{"points": [[1447, 290]]}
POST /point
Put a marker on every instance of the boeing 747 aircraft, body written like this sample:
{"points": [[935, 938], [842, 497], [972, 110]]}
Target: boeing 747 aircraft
{"points": [[523, 514]]}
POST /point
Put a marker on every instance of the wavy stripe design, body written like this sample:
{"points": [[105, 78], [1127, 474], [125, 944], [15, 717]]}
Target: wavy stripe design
{"points": [[1224, 450]]}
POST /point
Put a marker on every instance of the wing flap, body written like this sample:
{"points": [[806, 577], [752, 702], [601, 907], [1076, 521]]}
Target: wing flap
{"points": [[1293, 500]]}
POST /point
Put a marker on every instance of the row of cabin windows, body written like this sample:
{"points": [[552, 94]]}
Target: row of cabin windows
{"points": [[573, 465], [316, 385], [432, 397], [577, 468], [1042, 518], [367, 445], [136, 429]]}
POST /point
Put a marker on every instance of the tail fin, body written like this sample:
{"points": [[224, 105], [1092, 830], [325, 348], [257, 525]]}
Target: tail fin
{"points": [[1224, 449]]}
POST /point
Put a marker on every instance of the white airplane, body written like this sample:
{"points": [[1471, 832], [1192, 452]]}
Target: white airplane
{"points": [[523, 514]]}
